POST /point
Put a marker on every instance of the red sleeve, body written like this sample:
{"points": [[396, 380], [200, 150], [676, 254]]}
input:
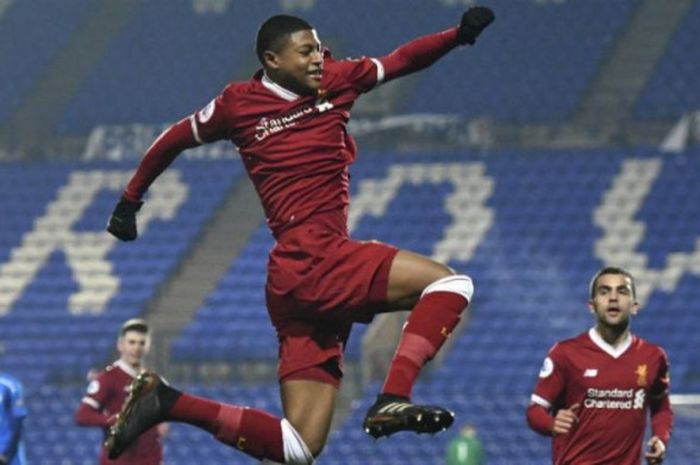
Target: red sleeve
{"points": [[418, 54], [659, 404], [661, 418], [91, 406], [551, 383], [362, 73], [540, 420], [88, 416], [209, 124], [214, 121], [158, 157]]}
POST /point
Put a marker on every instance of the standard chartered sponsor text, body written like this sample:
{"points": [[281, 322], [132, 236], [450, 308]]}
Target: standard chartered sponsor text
{"points": [[620, 399]]}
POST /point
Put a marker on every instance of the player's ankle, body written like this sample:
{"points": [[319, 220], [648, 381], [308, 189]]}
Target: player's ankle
{"points": [[168, 398], [389, 397]]}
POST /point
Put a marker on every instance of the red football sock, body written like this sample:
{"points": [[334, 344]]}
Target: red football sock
{"points": [[430, 323], [196, 411], [253, 431]]}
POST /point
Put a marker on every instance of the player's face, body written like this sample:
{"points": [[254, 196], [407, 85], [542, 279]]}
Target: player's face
{"points": [[133, 347], [298, 65], [613, 302]]}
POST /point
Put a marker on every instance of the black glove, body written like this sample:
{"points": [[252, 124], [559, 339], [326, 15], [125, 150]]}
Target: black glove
{"points": [[122, 223], [474, 20]]}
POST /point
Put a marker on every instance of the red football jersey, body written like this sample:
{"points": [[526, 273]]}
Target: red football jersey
{"points": [[107, 393], [295, 148], [613, 386]]}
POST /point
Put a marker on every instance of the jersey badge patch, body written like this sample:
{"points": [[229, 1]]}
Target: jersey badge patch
{"points": [[547, 368], [206, 113], [641, 373], [93, 387]]}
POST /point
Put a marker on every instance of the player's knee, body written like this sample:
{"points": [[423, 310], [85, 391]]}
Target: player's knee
{"points": [[296, 451], [456, 283]]}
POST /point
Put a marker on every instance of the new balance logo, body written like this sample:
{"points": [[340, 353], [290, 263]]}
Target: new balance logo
{"points": [[324, 106], [590, 373]]}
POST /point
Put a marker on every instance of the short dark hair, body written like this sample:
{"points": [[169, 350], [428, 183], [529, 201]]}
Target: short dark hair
{"points": [[612, 270], [275, 30], [134, 324]]}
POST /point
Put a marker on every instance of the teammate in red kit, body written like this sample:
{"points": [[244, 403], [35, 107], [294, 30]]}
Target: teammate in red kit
{"points": [[108, 390], [289, 124], [595, 389]]}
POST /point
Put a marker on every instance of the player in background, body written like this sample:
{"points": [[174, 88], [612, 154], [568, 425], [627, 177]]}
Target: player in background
{"points": [[466, 448], [289, 125], [594, 390], [108, 389], [12, 414]]}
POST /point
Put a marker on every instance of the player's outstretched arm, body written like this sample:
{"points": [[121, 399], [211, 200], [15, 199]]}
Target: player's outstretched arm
{"points": [[175, 139], [424, 51]]}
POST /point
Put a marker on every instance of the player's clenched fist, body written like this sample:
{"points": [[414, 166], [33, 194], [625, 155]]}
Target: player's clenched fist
{"points": [[656, 451], [474, 20], [565, 419], [122, 223]]}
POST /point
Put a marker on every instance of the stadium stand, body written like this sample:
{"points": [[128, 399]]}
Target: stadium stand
{"points": [[538, 68], [531, 272], [163, 67], [232, 325], [52, 25], [531, 269], [540, 245], [531, 226], [523, 86], [65, 285], [673, 90]]}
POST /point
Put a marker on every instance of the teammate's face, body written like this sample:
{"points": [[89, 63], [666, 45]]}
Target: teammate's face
{"points": [[613, 302], [298, 65], [133, 347]]}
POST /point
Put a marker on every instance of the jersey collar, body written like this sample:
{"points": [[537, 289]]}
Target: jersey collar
{"points": [[126, 368], [614, 352], [278, 90]]}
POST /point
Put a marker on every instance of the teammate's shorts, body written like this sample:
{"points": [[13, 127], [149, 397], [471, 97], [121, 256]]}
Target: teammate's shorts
{"points": [[319, 283]]}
